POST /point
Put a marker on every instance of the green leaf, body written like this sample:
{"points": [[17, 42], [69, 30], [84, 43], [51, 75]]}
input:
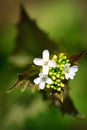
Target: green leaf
{"points": [[31, 38], [76, 57], [25, 79], [67, 106]]}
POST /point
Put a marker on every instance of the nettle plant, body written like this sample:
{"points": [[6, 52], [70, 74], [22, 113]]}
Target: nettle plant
{"points": [[49, 75]]}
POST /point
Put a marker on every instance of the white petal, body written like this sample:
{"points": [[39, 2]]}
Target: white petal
{"points": [[37, 80], [49, 81], [45, 55], [71, 75], [52, 63], [38, 61], [41, 74], [66, 67], [42, 85], [74, 68], [67, 76], [45, 69]]}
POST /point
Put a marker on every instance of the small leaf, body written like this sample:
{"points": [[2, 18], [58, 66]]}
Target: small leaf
{"points": [[24, 85], [25, 79], [13, 87], [76, 57], [67, 107], [63, 102]]}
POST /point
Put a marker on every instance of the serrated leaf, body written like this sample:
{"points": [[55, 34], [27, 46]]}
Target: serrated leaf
{"points": [[76, 57], [63, 102], [31, 38], [67, 107], [25, 79]]}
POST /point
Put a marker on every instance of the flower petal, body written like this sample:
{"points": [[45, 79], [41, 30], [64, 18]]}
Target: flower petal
{"points": [[52, 63], [38, 61], [45, 69], [74, 68], [41, 75], [42, 85], [37, 80], [66, 67], [72, 76], [45, 55], [49, 80], [67, 75]]}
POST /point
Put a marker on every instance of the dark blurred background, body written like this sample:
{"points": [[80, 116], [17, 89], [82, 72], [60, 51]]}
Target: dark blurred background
{"points": [[26, 28]]}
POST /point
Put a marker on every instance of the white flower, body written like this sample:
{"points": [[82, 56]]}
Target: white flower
{"points": [[41, 80], [70, 71], [45, 62]]}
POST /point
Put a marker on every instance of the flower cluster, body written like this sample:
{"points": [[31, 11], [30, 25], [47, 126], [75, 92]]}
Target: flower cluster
{"points": [[54, 72]]}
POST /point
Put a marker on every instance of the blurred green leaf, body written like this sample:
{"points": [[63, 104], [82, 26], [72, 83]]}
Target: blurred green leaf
{"points": [[7, 39], [25, 79], [30, 38]]}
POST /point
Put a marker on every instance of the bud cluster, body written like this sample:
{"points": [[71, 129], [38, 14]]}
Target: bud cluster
{"points": [[57, 73]]}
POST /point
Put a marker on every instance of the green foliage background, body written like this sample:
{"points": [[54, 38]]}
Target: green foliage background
{"points": [[60, 26]]}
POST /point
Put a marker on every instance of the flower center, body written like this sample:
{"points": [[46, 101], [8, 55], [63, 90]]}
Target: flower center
{"points": [[44, 78], [66, 70], [46, 63]]}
